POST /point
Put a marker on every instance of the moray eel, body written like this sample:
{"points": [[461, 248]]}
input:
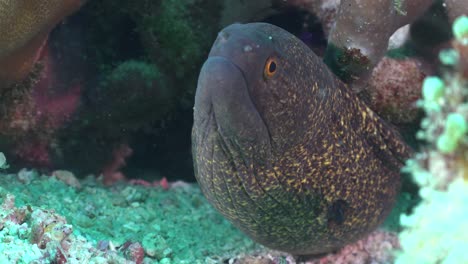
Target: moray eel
{"points": [[284, 150]]}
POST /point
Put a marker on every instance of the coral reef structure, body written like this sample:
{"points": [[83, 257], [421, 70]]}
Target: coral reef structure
{"points": [[106, 89], [24, 27], [436, 231]]}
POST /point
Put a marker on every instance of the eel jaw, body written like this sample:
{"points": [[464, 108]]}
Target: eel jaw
{"points": [[223, 106]]}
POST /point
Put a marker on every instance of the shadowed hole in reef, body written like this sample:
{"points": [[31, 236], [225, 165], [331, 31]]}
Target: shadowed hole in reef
{"points": [[303, 25]]}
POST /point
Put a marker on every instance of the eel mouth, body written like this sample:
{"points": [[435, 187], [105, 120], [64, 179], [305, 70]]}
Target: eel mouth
{"points": [[223, 101], [224, 84]]}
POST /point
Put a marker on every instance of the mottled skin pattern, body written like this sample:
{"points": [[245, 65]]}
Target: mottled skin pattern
{"points": [[294, 160]]}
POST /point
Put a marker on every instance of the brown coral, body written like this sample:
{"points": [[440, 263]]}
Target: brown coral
{"points": [[24, 27], [456, 8], [367, 26]]}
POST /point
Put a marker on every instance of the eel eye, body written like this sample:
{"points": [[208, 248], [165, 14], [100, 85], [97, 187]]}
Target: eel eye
{"points": [[271, 67]]}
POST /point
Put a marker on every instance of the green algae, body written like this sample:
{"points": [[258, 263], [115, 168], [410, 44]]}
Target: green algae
{"points": [[174, 226]]}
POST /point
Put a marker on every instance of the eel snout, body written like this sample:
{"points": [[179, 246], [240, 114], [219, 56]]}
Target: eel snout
{"points": [[223, 96]]}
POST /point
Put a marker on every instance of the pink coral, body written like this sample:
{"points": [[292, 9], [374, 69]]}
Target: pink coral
{"points": [[163, 183], [11, 213], [32, 108], [394, 89], [135, 252], [111, 171], [376, 248], [52, 105], [32, 121]]}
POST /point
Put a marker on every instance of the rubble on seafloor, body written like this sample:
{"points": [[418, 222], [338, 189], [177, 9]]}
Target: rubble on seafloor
{"points": [[59, 219]]}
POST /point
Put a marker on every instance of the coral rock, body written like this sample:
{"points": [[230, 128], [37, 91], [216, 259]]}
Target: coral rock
{"points": [[135, 252], [24, 27], [365, 27], [376, 248]]}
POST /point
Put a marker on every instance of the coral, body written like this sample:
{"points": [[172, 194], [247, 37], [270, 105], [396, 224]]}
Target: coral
{"points": [[53, 106], [138, 81], [436, 231], [173, 35], [456, 8], [360, 36], [134, 94], [164, 183], [111, 171], [393, 89], [460, 30], [376, 248], [134, 251], [17, 106], [114, 84], [34, 111], [24, 27], [455, 128], [437, 237], [432, 92], [48, 227], [375, 47], [168, 35]]}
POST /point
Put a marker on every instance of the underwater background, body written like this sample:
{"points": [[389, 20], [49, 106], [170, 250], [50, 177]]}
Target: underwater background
{"points": [[96, 113]]}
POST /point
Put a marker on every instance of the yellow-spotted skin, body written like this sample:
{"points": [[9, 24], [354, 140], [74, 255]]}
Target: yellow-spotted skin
{"points": [[286, 151]]}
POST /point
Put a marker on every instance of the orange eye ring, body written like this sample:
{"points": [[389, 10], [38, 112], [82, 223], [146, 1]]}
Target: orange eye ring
{"points": [[271, 67]]}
